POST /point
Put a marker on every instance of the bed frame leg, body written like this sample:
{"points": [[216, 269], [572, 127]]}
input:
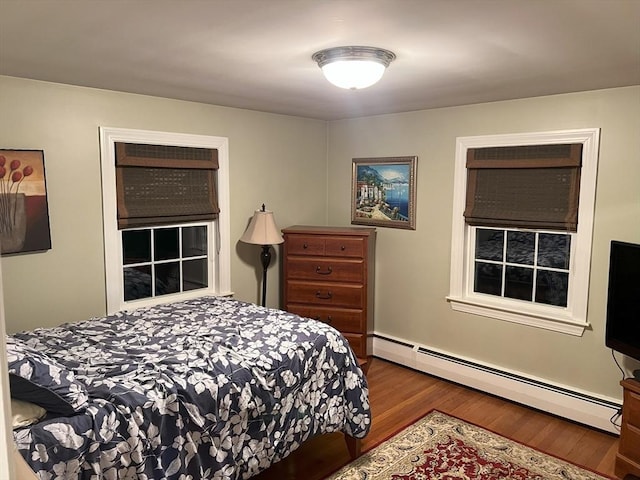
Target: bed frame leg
{"points": [[354, 445]]}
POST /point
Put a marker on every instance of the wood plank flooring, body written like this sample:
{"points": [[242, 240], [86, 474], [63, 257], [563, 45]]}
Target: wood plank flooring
{"points": [[399, 396]]}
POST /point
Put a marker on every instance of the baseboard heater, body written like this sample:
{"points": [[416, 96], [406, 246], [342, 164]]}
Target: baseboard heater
{"points": [[582, 407]]}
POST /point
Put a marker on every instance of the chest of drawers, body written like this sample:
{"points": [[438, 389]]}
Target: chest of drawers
{"points": [[328, 275], [628, 456]]}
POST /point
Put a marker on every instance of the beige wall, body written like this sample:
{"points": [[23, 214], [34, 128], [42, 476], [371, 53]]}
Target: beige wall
{"points": [[285, 162], [413, 266], [275, 159]]}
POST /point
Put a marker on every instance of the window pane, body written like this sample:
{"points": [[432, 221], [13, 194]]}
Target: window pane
{"points": [[165, 243], [137, 282], [552, 288], [518, 283], [194, 274], [167, 278], [489, 244], [194, 241], [554, 250], [521, 247], [488, 278], [136, 246]]}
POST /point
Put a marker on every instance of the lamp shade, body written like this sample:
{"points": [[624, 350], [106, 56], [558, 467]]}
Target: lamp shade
{"points": [[262, 229], [353, 67]]}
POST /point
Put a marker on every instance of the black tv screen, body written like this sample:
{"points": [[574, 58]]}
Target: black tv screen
{"points": [[623, 301]]}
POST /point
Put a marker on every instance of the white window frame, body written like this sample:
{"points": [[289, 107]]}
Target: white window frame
{"points": [[572, 319], [219, 268]]}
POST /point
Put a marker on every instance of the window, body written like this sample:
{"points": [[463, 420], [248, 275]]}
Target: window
{"points": [[162, 261], [166, 217], [521, 239], [524, 265]]}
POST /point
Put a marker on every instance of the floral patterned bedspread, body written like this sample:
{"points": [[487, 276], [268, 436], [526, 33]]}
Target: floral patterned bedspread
{"points": [[210, 388]]}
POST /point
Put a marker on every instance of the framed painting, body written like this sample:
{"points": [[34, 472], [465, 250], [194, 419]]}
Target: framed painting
{"points": [[383, 192], [24, 214]]}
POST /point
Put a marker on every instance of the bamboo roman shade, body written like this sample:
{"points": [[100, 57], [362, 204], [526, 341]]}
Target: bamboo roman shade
{"points": [[162, 184], [532, 186]]}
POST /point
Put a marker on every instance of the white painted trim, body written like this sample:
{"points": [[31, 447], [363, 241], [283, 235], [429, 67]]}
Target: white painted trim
{"points": [[571, 320], [558, 323], [7, 445], [219, 247], [580, 406], [223, 243]]}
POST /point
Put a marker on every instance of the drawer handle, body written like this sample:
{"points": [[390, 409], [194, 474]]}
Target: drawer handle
{"points": [[343, 248], [319, 318], [305, 246], [326, 272], [326, 296]]}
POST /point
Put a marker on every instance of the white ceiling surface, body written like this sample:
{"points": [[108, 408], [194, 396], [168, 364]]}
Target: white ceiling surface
{"points": [[256, 54]]}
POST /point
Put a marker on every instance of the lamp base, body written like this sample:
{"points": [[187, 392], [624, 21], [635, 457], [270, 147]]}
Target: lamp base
{"points": [[265, 259]]}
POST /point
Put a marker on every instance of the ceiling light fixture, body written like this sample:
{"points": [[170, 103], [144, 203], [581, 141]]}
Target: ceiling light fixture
{"points": [[353, 67]]}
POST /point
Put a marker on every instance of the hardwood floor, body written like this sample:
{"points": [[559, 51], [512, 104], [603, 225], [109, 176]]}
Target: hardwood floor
{"points": [[399, 396]]}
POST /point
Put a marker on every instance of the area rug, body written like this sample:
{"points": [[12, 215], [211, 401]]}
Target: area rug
{"points": [[440, 447]]}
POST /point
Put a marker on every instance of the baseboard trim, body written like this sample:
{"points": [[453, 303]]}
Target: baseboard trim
{"points": [[582, 407]]}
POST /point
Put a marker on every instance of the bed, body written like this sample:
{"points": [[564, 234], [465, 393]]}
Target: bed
{"points": [[208, 388]]}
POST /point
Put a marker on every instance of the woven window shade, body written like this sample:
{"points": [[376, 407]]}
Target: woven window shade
{"points": [[160, 185], [536, 186]]}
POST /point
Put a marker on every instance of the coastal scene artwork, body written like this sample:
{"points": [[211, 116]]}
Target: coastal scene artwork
{"points": [[24, 215], [384, 192]]}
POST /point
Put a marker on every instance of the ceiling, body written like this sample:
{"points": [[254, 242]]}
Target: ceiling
{"points": [[256, 54]]}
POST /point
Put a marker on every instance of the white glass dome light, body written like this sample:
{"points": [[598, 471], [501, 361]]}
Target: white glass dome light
{"points": [[353, 67]]}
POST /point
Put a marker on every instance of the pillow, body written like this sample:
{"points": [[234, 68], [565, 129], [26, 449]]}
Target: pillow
{"points": [[24, 413], [34, 377]]}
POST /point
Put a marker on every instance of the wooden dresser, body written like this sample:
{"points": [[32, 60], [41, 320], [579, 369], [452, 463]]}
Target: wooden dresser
{"points": [[628, 457], [328, 275]]}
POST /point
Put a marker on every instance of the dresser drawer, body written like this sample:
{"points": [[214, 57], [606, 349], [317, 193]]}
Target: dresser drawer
{"points": [[324, 269], [358, 343], [345, 320], [631, 410], [305, 245], [325, 293], [325, 246], [630, 442], [344, 247]]}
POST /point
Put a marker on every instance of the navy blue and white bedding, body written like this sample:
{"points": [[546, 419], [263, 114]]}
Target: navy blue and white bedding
{"points": [[211, 388]]}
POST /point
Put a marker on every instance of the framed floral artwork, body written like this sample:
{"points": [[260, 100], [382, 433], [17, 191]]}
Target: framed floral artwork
{"points": [[24, 214], [383, 192]]}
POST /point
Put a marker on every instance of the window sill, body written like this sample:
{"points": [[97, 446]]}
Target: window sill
{"points": [[132, 305], [562, 323]]}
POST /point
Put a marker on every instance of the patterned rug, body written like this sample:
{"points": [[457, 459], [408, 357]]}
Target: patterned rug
{"points": [[440, 447]]}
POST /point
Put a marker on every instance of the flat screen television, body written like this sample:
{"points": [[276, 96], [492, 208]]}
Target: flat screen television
{"points": [[623, 300]]}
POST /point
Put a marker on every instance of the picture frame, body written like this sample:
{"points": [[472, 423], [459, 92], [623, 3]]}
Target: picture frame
{"points": [[24, 211], [383, 192]]}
